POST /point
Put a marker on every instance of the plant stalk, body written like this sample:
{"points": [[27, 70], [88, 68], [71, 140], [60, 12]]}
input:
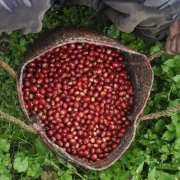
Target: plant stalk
{"points": [[156, 115], [18, 122], [7, 68]]}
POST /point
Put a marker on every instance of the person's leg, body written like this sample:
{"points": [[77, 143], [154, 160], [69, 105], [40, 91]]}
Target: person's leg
{"points": [[173, 41], [149, 18], [11, 5], [22, 17]]}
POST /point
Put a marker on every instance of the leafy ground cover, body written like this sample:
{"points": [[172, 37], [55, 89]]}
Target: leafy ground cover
{"points": [[154, 153]]}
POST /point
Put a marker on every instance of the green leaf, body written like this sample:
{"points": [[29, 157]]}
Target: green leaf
{"points": [[140, 168], [176, 78], [156, 47], [177, 64], [168, 135], [102, 175], [178, 130], [146, 110], [127, 37], [4, 145], [34, 169], [66, 175], [164, 149], [177, 144], [113, 31], [5, 177], [164, 176], [122, 174], [40, 147], [160, 96], [157, 71], [174, 103], [169, 63], [160, 125], [169, 72], [171, 127], [176, 154], [20, 163], [165, 68], [152, 174], [177, 60], [175, 118]]}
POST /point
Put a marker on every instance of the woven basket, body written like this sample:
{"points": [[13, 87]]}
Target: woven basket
{"points": [[141, 77]]}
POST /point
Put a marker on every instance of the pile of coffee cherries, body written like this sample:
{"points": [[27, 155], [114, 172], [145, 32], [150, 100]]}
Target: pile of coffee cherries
{"points": [[81, 94]]}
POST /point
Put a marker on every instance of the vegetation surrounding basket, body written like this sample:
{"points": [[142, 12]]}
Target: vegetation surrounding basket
{"points": [[154, 153]]}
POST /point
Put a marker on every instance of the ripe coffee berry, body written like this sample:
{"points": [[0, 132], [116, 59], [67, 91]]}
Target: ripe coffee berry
{"points": [[82, 94]]}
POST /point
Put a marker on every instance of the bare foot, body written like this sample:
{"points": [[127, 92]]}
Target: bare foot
{"points": [[173, 41]]}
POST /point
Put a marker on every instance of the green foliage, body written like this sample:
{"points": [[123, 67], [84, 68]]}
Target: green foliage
{"points": [[20, 162], [154, 153], [5, 160]]}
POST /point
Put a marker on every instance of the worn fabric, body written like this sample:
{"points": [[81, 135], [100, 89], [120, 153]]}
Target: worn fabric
{"points": [[11, 5], [18, 15], [149, 19], [160, 4]]}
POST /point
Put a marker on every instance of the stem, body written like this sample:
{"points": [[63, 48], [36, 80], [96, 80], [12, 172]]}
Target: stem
{"points": [[20, 123], [7, 68], [167, 112], [157, 54]]}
